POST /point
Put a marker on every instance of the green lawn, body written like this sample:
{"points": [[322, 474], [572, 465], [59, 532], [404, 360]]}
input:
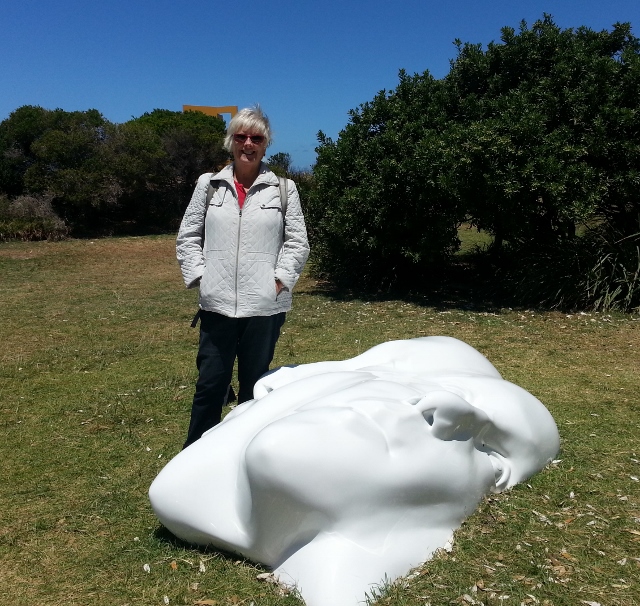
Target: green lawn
{"points": [[471, 239], [96, 375]]}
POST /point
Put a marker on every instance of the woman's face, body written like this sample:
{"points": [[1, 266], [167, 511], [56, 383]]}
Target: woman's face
{"points": [[249, 147]]}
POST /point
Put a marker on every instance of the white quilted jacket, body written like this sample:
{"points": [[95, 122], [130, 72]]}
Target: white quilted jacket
{"points": [[246, 250]]}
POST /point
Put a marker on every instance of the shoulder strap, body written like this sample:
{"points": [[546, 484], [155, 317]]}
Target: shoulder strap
{"points": [[211, 190], [284, 195]]}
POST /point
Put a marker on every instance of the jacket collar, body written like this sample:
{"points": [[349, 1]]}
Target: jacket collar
{"points": [[264, 175]]}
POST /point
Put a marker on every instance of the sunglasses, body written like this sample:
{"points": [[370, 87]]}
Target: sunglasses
{"points": [[257, 139]]}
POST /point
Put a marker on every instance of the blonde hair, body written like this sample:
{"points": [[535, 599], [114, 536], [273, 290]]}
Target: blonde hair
{"points": [[251, 119]]}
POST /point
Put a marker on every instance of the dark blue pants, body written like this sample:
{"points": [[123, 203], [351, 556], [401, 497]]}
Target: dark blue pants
{"points": [[222, 339]]}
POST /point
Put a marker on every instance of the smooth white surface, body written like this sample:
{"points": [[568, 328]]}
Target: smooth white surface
{"points": [[341, 474]]}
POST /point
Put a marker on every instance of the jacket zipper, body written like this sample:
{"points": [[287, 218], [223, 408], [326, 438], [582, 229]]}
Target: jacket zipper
{"points": [[238, 250], [237, 259]]}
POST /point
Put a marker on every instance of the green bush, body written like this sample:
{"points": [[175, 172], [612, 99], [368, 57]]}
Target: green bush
{"points": [[383, 209], [545, 132], [599, 270], [105, 178], [30, 218], [525, 140]]}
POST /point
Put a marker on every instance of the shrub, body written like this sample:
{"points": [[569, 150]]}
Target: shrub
{"points": [[526, 140], [30, 218], [104, 178], [599, 270], [383, 208]]}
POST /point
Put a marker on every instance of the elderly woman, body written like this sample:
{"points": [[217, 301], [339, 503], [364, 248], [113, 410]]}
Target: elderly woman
{"points": [[243, 242]]}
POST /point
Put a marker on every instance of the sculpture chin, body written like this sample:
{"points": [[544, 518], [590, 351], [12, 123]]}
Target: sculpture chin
{"points": [[341, 474]]}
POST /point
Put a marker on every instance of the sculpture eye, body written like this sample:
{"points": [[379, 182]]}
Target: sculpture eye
{"points": [[412, 401]]}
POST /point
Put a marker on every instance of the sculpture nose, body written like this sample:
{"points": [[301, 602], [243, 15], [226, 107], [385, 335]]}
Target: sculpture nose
{"points": [[450, 416]]}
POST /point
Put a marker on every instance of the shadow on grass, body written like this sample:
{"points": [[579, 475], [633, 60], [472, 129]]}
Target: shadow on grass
{"points": [[165, 536], [471, 281]]}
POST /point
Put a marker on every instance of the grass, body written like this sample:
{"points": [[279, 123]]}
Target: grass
{"points": [[472, 239], [96, 375]]}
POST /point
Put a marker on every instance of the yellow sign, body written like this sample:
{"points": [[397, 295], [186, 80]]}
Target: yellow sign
{"points": [[212, 111]]}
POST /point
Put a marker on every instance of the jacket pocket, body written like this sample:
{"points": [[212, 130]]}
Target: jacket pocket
{"points": [[270, 220], [257, 280], [271, 206]]}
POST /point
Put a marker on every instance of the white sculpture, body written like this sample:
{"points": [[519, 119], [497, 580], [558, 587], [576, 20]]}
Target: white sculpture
{"points": [[340, 475]]}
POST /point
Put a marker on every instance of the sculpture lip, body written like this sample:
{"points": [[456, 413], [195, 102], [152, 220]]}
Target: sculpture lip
{"points": [[360, 413], [371, 420], [392, 439], [366, 422]]}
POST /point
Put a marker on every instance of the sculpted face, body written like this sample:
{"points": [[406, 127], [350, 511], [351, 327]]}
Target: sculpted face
{"points": [[365, 440], [357, 470]]}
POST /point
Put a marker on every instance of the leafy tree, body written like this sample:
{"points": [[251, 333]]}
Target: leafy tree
{"points": [[383, 210], [535, 139], [102, 177], [280, 163], [65, 162], [17, 133], [544, 130], [170, 150], [546, 142], [192, 141]]}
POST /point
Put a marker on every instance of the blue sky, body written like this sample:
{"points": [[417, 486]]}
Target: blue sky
{"points": [[306, 62]]}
